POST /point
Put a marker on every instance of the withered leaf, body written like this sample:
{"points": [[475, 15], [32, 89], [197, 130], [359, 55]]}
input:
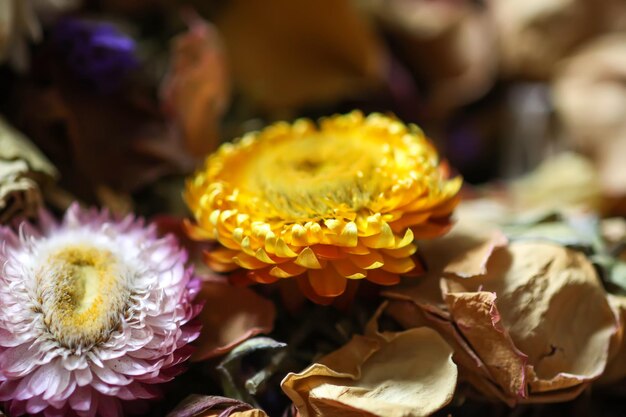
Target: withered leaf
{"points": [[196, 90], [235, 314], [388, 374], [22, 169], [535, 328]]}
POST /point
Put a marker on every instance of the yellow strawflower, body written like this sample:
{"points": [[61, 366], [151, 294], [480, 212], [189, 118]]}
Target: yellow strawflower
{"points": [[344, 200]]}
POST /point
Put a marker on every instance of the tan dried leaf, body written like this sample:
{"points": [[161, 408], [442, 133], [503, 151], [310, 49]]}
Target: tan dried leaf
{"points": [[196, 90], [406, 374], [536, 327], [554, 309], [590, 99], [616, 369], [536, 34], [465, 250], [567, 181], [22, 168]]}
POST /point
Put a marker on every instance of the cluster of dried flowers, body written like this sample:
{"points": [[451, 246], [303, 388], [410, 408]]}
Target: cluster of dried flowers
{"points": [[313, 266]]}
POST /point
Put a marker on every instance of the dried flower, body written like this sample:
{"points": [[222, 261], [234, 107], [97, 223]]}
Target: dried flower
{"points": [[96, 52], [328, 204], [93, 312]]}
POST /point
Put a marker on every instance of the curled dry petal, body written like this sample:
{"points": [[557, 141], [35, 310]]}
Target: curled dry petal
{"points": [[22, 169], [233, 314], [405, 374], [464, 251], [535, 328], [196, 89], [214, 406], [616, 369]]}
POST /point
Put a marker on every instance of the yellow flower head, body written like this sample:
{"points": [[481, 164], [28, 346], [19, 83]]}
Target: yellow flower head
{"points": [[344, 200]]}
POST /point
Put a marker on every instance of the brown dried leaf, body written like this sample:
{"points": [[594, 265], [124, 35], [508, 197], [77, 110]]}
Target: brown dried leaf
{"points": [[22, 168], [232, 315], [197, 87], [285, 54], [390, 374]]}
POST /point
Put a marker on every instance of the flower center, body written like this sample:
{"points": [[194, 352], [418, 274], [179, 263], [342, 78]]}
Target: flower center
{"points": [[318, 174], [82, 294]]}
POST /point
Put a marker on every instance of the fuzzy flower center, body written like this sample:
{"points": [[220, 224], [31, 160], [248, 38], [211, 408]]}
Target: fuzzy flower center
{"points": [[82, 294], [318, 173]]}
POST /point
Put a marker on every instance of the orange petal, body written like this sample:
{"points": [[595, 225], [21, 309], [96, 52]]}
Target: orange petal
{"points": [[307, 259], [372, 260], [347, 269], [287, 270], [401, 252], [328, 252], [262, 276], [432, 229], [248, 262], [378, 276], [398, 266], [327, 282], [217, 265]]}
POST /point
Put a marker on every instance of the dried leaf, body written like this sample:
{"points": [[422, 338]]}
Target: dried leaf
{"points": [[465, 250], [535, 328], [196, 89], [536, 34], [553, 307], [388, 374], [448, 45], [232, 315], [591, 102], [616, 368], [285, 55], [120, 141], [234, 380], [565, 181], [214, 406], [22, 169]]}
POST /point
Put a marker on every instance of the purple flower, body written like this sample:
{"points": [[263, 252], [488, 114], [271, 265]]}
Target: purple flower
{"points": [[93, 312], [96, 52]]}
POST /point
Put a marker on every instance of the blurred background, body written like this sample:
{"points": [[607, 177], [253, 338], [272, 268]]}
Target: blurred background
{"points": [[125, 97]]}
